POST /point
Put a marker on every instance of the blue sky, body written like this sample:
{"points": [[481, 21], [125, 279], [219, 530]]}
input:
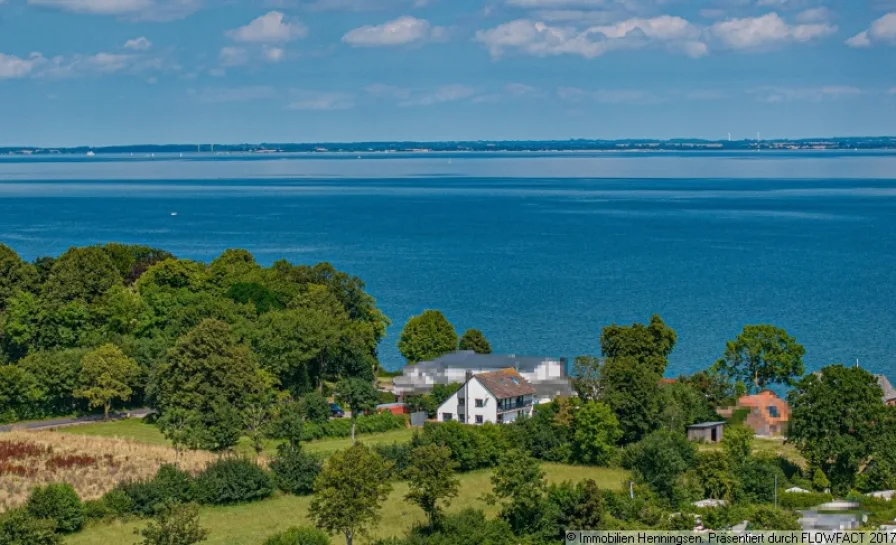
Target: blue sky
{"points": [[101, 72]]}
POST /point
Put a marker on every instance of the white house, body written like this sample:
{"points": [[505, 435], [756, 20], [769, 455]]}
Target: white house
{"points": [[497, 397], [547, 375]]}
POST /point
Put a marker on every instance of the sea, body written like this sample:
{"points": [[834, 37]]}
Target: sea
{"points": [[538, 250]]}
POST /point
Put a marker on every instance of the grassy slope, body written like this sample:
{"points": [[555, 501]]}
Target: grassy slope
{"points": [[250, 524], [139, 430], [774, 447]]}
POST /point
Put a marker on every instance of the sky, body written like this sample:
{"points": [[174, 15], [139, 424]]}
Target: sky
{"points": [[102, 72]]}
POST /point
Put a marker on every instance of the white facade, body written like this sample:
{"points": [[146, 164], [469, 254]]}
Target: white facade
{"points": [[473, 403]]}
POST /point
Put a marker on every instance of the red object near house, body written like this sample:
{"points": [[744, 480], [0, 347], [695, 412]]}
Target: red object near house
{"points": [[394, 408]]}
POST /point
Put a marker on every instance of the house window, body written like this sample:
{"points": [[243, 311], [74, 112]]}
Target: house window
{"points": [[460, 401], [447, 417], [460, 418], [479, 419], [773, 411], [480, 403], [500, 419]]}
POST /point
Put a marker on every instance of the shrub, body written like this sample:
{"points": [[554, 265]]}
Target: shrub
{"points": [[295, 471], [117, 503], [802, 501], [18, 528], [342, 427], [176, 485], [472, 447], [143, 498], [399, 454], [58, 503], [175, 524], [299, 536], [233, 480]]}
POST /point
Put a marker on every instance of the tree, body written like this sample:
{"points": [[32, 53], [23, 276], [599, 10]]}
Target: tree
{"points": [[183, 428], [835, 421], [474, 340], [518, 484], [763, 355], [632, 390], [257, 419], [174, 525], [359, 395], [58, 503], [737, 443], [427, 336], [683, 405], [106, 375], [649, 345], [20, 394], [586, 377], [660, 460], [81, 274], [349, 492], [15, 274], [714, 474], [58, 373], [596, 433], [17, 527], [314, 407], [431, 479]]}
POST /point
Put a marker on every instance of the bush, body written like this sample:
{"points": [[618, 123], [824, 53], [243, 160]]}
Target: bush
{"points": [[342, 427], [18, 528], [58, 503], [144, 498], [233, 480], [399, 454], [178, 486], [117, 503], [472, 447], [802, 501], [295, 471], [299, 536]]}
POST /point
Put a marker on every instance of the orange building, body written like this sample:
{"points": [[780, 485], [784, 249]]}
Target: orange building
{"points": [[769, 414]]}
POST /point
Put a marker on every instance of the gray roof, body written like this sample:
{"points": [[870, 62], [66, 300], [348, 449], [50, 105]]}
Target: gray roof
{"points": [[470, 359], [706, 425], [889, 391]]}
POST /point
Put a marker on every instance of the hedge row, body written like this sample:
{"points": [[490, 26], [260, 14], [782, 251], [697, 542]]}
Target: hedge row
{"points": [[342, 427]]}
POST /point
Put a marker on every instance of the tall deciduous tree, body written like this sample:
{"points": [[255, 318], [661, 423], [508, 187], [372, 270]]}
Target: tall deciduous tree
{"points": [[15, 274], [474, 340], [431, 479], [661, 459], [763, 355], [427, 337], [351, 488], [595, 433], [81, 274], [359, 395], [737, 443], [632, 390], [183, 428], [518, 484], [107, 374], [836, 421], [649, 345], [586, 377]]}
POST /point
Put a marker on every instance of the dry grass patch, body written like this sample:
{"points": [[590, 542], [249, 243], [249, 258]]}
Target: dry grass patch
{"points": [[93, 465]]}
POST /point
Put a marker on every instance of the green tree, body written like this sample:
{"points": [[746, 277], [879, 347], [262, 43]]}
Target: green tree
{"points": [[20, 326], [737, 443], [15, 274], [834, 421], [474, 340], [519, 486], [81, 274], [21, 395], [174, 525], [427, 336], [314, 408], [649, 345], [682, 405], [359, 395], [299, 536], [17, 527], [586, 377], [632, 390], [349, 492], [183, 428], [58, 503], [660, 461], [820, 481], [714, 474], [106, 375], [58, 373], [431, 479], [596, 433], [763, 355]]}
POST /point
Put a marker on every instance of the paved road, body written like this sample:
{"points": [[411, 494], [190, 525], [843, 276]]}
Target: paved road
{"points": [[64, 422]]}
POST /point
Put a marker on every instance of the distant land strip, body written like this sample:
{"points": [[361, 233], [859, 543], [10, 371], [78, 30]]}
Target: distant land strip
{"points": [[837, 143]]}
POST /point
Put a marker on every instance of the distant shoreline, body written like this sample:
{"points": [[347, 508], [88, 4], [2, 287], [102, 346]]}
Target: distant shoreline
{"points": [[883, 143]]}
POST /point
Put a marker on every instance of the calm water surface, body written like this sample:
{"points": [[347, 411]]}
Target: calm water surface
{"points": [[538, 250]]}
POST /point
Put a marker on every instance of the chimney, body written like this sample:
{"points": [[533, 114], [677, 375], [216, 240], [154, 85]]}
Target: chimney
{"points": [[469, 375]]}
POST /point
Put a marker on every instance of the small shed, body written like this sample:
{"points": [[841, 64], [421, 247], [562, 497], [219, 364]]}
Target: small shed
{"points": [[394, 408], [711, 432]]}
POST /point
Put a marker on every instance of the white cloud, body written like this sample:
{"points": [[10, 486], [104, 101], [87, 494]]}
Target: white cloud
{"points": [[273, 54], [138, 44], [606, 96], [233, 56], [805, 94], [388, 91], [542, 40], [521, 90], [314, 100], [149, 10], [232, 94], [767, 30], [882, 30], [271, 27], [814, 15], [448, 93], [12, 67], [357, 5], [401, 31]]}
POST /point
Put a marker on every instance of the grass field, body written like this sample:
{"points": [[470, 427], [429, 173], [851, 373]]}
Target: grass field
{"points": [[138, 430], [250, 524]]}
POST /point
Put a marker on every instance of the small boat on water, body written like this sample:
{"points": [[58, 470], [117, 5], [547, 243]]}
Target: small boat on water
{"points": [[174, 213]]}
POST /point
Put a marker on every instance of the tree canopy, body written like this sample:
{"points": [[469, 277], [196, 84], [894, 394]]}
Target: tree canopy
{"points": [[107, 374], [427, 337], [763, 355], [474, 340], [649, 345]]}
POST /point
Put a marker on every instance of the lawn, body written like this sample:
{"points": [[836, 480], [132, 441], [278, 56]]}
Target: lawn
{"points": [[776, 447], [250, 524], [144, 432]]}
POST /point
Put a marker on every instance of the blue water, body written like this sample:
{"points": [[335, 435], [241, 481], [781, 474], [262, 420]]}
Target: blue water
{"points": [[538, 250]]}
